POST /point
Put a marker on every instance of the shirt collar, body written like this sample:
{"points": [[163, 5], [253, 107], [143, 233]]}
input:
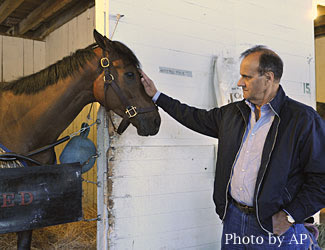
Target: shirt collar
{"points": [[265, 108]]}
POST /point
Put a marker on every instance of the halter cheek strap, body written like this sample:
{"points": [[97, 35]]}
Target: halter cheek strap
{"points": [[130, 110]]}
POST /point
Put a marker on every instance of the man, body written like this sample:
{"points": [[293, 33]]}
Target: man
{"points": [[270, 173]]}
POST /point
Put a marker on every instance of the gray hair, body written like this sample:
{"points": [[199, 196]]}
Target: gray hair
{"points": [[268, 61]]}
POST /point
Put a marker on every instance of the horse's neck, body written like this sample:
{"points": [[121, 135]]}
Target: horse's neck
{"points": [[35, 120]]}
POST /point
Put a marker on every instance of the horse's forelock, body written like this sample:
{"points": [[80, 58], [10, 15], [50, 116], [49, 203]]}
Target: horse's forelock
{"points": [[124, 52]]}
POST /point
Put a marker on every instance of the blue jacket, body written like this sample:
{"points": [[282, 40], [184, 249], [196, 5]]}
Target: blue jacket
{"points": [[292, 171]]}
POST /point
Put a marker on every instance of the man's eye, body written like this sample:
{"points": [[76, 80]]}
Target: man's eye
{"points": [[129, 75]]}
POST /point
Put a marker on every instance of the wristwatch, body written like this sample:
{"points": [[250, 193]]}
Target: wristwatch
{"points": [[290, 219]]}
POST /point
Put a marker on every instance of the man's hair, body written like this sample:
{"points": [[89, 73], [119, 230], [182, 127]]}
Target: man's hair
{"points": [[269, 61]]}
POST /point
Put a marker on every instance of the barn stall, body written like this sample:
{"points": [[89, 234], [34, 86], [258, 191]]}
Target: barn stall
{"points": [[34, 35], [157, 194]]}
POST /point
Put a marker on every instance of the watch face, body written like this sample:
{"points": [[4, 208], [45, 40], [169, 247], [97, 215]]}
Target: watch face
{"points": [[290, 219]]}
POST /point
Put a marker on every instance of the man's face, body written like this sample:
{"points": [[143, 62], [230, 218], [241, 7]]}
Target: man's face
{"points": [[254, 86]]}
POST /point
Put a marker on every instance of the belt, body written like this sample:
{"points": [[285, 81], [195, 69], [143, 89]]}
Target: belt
{"points": [[244, 208]]}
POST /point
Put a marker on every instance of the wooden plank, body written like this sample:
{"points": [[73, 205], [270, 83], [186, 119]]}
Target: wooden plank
{"points": [[7, 7], [57, 45], [91, 24], [39, 56], [51, 48], [178, 221], [44, 11], [1, 62], [63, 18], [156, 185], [12, 58], [102, 196], [320, 64], [29, 57], [73, 35], [136, 206], [207, 237], [82, 24]]}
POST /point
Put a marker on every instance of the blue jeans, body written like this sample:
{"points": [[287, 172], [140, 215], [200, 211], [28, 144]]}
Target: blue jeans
{"points": [[242, 231]]}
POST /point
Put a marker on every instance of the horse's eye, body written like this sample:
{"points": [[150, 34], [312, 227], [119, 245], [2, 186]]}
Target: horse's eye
{"points": [[130, 75]]}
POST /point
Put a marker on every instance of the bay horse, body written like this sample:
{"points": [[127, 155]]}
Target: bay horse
{"points": [[36, 109]]}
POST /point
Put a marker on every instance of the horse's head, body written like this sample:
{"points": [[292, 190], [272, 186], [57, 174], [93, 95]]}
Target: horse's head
{"points": [[119, 87]]}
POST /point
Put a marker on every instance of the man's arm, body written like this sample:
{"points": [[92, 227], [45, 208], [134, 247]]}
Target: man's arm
{"points": [[199, 120], [311, 197]]}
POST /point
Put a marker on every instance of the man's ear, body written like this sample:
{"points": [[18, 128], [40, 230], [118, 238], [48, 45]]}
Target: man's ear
{"points": [[269, 76]]}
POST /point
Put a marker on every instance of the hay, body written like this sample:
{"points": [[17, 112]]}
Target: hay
{"points": [[76, 235]]}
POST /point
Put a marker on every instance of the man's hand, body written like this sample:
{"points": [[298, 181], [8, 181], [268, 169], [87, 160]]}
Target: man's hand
{"points": [[148, 84], [280, 223]]}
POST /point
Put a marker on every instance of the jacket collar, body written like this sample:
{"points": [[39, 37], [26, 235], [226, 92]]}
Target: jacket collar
{"points": [[278, 100], [276, 103]]}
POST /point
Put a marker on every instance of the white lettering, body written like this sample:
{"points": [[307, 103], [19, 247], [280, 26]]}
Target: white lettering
{"points": [[275, 239], [280, 241], [228, 237], [237, 238], [259, 240], [303, 237], [272, 239], [293, 238], [246, 240]]}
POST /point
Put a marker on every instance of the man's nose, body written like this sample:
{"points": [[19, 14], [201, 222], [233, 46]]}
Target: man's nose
{"points": [[240, 82]]}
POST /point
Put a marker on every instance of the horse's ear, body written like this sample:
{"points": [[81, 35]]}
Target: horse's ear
{"points": [[100, 40], [108, 42]]}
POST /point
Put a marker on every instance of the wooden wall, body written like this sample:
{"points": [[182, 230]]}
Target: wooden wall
{"points": [[76, 34], [320, 86], [320, 65], [20, 57]]}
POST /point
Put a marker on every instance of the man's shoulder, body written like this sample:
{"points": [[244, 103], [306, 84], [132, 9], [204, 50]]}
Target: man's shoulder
{"points": [[298, 108], [233, 104]]}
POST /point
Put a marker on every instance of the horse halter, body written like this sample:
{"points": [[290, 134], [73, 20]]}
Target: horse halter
{"points": [[130, 110]]}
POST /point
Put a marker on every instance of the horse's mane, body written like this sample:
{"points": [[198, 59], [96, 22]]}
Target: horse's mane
{"points": [[63, 68]]}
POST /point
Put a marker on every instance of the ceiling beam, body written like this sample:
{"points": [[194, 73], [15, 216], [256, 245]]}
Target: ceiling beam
{"points": [[48, 8], [7, 7], [63, 18]]}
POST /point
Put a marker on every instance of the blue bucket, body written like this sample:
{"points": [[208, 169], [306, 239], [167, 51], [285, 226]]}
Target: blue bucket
{"points": [[80, 149]]}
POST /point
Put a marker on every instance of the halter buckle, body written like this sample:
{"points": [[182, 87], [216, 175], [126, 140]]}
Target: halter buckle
{"points": [[131, 111], [110, 80], [104, 62]]}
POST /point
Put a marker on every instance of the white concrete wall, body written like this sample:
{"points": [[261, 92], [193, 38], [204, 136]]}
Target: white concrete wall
{"points": [[162, 185]]}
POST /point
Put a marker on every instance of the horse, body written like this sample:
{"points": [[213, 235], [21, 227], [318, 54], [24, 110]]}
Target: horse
{"points": [[36, 109]]}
